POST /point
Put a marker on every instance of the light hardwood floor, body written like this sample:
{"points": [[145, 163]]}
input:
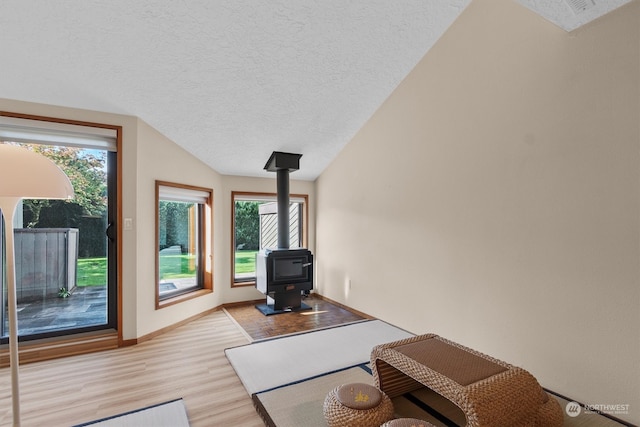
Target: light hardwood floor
{"points": [[188, 363]]}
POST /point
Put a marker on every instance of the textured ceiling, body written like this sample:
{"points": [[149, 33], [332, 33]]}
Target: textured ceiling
{"points": [[232, 81]]}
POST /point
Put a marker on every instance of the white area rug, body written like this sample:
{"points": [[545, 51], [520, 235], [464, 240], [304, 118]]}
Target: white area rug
{"points": [[169, 414], [268, 364]]}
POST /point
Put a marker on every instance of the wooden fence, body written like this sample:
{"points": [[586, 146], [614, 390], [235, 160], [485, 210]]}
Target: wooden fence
{"points": [[46, 260]]}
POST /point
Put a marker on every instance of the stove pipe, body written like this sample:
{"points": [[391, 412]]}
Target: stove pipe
{"points": [[283, 164]]}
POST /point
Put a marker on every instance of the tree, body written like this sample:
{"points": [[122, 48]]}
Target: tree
{"points": [[248, 224], [86, 171], [173, 223]]}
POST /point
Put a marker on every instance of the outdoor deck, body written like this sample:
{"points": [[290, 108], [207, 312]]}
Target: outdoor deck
{"points": [[87, 306]]}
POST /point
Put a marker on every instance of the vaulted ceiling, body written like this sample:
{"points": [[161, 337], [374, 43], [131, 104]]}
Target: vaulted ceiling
{"points": [[232, 81]]}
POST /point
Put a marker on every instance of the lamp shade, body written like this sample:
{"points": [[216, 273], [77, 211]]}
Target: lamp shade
{"points": [[29, 175]]}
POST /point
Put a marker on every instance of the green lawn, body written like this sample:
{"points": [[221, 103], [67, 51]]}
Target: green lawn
{"points": [[93, 271], [177, 266], [245, 261]]}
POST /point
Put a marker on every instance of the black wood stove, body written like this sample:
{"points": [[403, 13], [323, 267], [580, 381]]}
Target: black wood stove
{"points": [[283, 274]]}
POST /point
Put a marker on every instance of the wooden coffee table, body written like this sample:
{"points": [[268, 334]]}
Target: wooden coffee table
{"points": [[490, 393]]}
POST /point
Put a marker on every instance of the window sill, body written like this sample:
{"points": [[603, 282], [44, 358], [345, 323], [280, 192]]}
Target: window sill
{"points": [[243, 284], [181, 298]]}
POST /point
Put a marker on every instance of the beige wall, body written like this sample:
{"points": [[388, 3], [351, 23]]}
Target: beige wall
{"points": [[494, 199], [159, 158]]}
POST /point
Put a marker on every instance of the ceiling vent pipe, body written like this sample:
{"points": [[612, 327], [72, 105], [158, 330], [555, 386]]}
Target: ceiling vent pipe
{"points": [[283, 164]]}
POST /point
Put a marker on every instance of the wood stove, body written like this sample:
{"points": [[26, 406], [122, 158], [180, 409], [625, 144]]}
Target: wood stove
{"points": [[283, 274]]}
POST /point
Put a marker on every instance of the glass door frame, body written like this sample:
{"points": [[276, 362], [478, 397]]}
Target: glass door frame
{"points": [[113, 233]]}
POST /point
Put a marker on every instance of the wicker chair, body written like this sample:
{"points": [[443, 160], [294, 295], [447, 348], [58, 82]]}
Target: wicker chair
{"points": [[490, 393]]}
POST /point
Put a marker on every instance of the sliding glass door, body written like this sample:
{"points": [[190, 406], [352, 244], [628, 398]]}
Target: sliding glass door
{"points": [[66, 270]]}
